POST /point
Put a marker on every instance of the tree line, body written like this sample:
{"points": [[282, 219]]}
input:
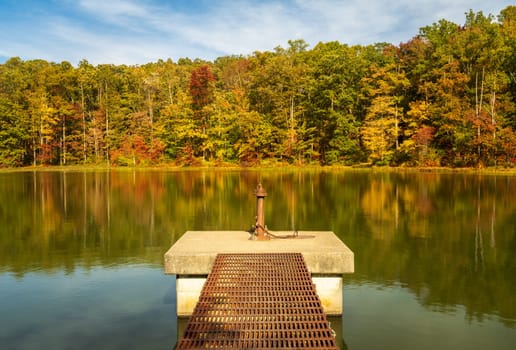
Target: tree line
{"points": [[444, 98]]}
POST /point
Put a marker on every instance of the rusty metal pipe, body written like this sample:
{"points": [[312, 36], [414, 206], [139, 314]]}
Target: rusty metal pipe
{"points": [[260, 213]]}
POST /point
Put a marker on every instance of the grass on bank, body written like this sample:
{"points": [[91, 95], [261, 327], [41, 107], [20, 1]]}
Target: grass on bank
{"points": [[511, 171]]}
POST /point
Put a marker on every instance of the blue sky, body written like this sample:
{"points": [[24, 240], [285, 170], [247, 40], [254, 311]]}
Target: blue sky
{"points": [[142, 31]]}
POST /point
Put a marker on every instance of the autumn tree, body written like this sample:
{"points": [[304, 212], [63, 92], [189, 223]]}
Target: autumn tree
{"points": [[277, 90], [201, 91], [381, 129]]}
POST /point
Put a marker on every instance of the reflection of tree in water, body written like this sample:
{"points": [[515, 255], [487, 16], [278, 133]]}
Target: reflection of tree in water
{"points": [[89, 218], [449, 238], [399, 203], [432, 236]]}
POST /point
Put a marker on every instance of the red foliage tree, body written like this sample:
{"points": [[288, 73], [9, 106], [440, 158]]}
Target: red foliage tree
{"points": [[201, 87]]}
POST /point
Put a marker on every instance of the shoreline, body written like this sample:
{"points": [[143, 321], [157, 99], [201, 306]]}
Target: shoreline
{"points": [[279, 167]]}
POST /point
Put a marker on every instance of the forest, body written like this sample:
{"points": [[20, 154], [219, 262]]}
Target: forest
{"points": [[444, 98]]}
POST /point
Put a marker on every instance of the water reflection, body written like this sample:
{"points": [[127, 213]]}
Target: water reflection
{"points": [[395, 319], [446, 240], [449, 239]]}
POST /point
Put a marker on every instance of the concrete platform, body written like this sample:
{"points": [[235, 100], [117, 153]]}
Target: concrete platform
{"points": [[195, 252], [191, 258]]}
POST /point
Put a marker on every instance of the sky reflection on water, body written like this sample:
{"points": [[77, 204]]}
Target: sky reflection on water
{"points": [[126, 306]]}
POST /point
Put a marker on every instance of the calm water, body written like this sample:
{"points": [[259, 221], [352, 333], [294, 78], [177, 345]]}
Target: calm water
{"points": [[81, 253]]}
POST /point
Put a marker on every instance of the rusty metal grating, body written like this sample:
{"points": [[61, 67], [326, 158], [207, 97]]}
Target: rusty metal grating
{"points": [[258, 301]]}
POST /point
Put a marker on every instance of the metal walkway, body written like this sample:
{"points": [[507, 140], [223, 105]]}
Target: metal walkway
{"points": [[258, 301]]}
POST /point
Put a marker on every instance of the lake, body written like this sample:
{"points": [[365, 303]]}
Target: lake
{"points": [[81, 253]]}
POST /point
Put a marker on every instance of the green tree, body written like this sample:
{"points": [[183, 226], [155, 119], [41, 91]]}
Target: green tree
{"points": [[15, 123], [333, 107], [277, 90], [178, 131]]}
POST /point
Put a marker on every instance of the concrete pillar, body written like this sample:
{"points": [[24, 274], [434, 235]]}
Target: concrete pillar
{"points": [[329, 290], [188, 291]]}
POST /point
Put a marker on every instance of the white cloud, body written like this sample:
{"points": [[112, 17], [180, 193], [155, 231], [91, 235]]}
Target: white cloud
{"points": [[233, 28], [131, 31], [115, 48], [113, 8]]}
